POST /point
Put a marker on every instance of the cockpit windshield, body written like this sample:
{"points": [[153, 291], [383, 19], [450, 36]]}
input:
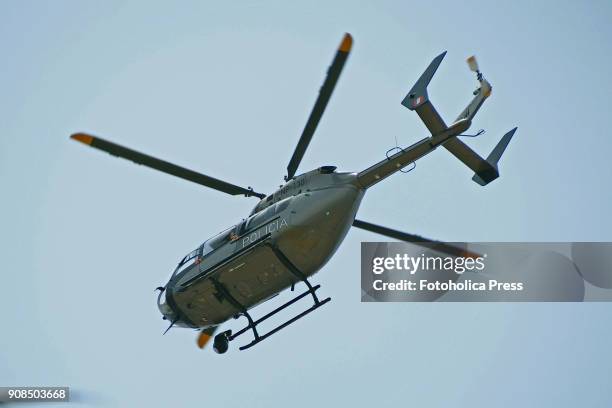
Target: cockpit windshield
{"points": [[211, 244], [194, 255]]}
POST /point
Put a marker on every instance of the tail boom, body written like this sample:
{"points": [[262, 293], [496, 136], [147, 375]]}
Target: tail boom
{"points": [[398, 161]]}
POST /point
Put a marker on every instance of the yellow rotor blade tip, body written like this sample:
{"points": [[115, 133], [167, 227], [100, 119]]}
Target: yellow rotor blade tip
{"points": [[83, 138], [203, 339], [347, 43]]}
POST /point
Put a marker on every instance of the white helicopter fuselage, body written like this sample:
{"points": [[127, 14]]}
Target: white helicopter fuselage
{"points": [[298, 228]]}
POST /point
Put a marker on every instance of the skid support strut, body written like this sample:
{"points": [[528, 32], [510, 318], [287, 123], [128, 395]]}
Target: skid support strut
{"points": [[252, 324]]}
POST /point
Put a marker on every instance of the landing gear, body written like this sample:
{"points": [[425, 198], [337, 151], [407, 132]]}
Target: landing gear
{"points": [[221, 342], [252, 325]]}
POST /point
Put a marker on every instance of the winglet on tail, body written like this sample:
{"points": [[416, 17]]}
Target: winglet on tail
{"points": [[418, 99], [418, 94], [490, 173]]}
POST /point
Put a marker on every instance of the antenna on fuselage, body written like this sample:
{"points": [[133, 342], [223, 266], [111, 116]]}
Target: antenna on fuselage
{"points": [[171, 324]]}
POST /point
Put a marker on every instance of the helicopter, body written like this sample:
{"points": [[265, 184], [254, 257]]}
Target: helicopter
{"points": [[291, 233]]}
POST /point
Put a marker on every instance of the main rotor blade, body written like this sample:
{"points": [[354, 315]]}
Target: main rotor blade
{"points": [[161, 165], [415, 239], [333, 73], [205, 335]]}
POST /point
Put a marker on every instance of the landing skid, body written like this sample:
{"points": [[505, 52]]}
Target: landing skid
{"points": [[222, 340]]}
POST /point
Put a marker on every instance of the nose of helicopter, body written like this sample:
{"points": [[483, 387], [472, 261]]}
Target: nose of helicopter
{"points": [[165, 309]]}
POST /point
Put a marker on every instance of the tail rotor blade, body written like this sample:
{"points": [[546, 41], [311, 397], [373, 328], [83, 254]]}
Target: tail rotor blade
{"points": [[472, 63]]}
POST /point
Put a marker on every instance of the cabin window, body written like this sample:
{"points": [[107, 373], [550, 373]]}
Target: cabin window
{"points": [[281, 205], [216, 241], [241, 227], [259, 219]]}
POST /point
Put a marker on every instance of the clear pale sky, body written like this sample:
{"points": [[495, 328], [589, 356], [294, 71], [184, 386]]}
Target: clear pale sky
{"points": [[226, 89]]}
